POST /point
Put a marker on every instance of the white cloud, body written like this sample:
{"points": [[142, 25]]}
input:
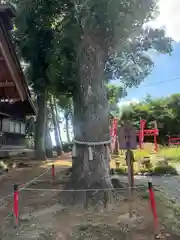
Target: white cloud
{"points": [[169, 18], [128, 102]]}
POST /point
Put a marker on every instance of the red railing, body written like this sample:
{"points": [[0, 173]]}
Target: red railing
{"points": [[174, 140]]}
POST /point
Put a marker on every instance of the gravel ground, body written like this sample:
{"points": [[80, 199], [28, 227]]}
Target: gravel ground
{"points": [[169, 185]]}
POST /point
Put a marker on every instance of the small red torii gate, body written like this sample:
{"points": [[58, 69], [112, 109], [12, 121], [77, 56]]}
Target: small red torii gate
{"points": [[147, 132]]}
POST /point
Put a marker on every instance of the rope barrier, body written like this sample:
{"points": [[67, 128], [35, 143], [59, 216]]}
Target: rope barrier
{"points": [[25, 187], [22, 187]]}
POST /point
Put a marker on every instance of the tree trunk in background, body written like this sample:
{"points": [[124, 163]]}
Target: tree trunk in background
{"points": [[67, 126], [40, 134], [91, 124], [57, 139], [57, 120], [49, 146]]}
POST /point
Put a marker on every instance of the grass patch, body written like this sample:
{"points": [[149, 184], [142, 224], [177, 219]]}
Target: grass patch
{"points": [[140, 154], [154, 170], [158, 165], [170, 153]]}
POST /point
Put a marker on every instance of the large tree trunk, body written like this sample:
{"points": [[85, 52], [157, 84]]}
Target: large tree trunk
{"points": [[67, 127], [56, 126], [41, 126], [91, 123]]}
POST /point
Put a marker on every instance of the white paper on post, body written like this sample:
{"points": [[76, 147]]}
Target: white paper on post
{"points": [[127, 133]]}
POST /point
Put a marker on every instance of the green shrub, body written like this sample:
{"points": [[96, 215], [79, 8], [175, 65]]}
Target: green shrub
{"points": [[120, 171], [143, 170], [165, 170]]}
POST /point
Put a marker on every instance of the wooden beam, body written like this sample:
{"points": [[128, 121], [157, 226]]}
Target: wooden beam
{"points": [[5, 114], [7, 84], [13, 69]]}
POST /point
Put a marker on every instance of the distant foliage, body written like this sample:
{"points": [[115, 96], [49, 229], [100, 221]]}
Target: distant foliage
{"points": [[166, 111]]}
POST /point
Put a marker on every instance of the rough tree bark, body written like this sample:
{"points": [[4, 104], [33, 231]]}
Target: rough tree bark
{"points": [[41, 126], [91, 123], [57, 139]]}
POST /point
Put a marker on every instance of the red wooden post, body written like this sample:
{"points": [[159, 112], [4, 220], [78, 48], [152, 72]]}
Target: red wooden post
{"points": [[140, 143], [16, 204], [155, 143], [153, 207]]}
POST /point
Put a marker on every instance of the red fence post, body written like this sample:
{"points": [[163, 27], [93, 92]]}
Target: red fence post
{"points": [[16, 204], [155, 143], [53, 171], [153, 208]]}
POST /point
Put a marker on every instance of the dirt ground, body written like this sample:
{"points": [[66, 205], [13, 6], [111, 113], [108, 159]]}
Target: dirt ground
{"points": [[44, 216]]}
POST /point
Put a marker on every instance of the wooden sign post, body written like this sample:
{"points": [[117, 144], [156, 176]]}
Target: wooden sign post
{"points": [[128, 141]]}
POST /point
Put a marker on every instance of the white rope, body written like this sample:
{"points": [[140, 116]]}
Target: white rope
{"points": [[92, 143], [5, 197], [4, 204], [80, 190], [89, 144], [33, 180]]}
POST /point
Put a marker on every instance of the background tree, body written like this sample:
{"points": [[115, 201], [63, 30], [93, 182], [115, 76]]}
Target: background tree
{"points": [[34, 33], [66, 106], [55, 125], [48, 140]]}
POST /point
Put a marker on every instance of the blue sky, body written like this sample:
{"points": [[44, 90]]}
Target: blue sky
{"points": [[167, 70]]}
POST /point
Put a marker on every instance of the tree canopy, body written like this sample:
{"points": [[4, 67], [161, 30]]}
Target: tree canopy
{"points": [[48, 33]]}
